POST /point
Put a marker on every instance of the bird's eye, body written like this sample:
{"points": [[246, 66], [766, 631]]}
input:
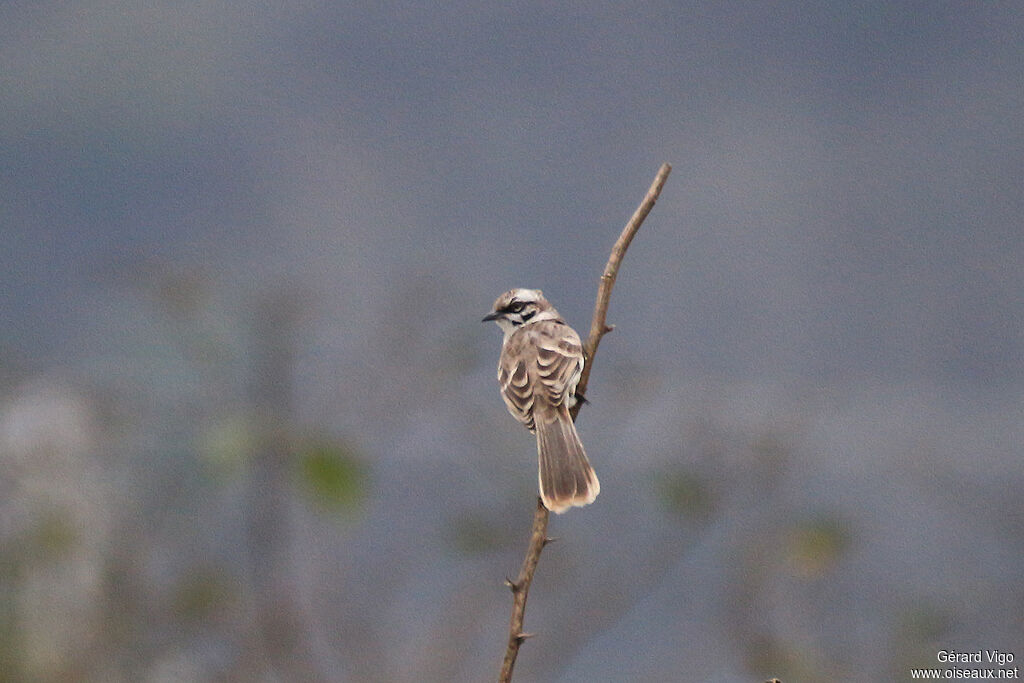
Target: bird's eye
{"points": [[516, 307]]}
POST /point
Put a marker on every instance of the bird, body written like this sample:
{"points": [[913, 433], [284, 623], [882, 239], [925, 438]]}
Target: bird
{"points": [[539, 367]]}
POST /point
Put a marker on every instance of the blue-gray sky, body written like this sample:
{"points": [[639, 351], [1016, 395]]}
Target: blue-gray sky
{"points": [[846, 195]]}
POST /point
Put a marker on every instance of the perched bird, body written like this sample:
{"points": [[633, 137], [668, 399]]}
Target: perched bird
{"points": [[540, 365]]}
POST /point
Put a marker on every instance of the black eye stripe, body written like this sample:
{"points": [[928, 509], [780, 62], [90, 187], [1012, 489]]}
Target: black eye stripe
{"points": [[526, 316]]}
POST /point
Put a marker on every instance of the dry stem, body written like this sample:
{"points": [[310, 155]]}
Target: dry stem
{"points": [[598, 328]]}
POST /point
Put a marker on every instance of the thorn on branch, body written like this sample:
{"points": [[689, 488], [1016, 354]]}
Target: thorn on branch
{"points": [[523, 636], [549, 539], [512, 585], [608, 328]]}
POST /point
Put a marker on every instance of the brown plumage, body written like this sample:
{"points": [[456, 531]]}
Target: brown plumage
{"points": [[540, 365]]}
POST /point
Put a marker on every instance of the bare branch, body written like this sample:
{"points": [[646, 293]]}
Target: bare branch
{"points": [[521, 588], [598, 328], [598, 325]]}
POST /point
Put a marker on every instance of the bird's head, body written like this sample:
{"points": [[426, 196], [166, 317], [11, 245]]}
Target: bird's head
{"points": [[518, 307]]}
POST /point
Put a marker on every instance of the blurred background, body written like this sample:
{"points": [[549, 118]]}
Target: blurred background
{"points": [[249, 426]]}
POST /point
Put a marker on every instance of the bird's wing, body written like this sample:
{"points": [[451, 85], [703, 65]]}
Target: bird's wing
{"points": [[559, 358], [544, 365], [516, 368]]}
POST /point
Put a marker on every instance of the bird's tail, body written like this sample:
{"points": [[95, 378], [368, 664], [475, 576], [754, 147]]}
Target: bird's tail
{"points": [[566, 477]]}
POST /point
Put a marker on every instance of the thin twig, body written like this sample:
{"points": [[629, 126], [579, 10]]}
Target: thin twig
{"points": [[521, 588], [598, 328], [598, 324]]}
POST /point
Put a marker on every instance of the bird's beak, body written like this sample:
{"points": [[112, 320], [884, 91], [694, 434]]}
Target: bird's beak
{"points": [[491, 316]]}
